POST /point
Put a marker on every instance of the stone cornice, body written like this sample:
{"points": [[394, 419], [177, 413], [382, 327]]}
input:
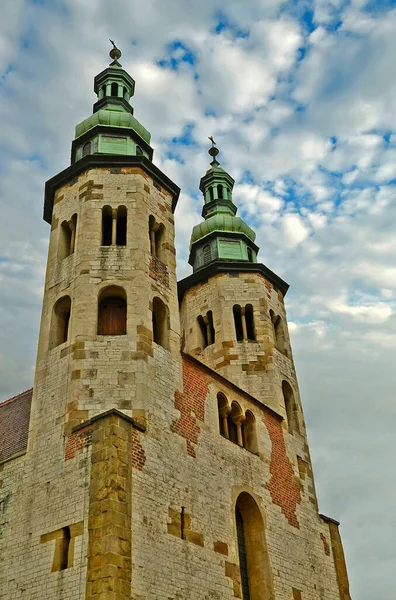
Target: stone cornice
{"points": [[218, 266], [105, 160]]}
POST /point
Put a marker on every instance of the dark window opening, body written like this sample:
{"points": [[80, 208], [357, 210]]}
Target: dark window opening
{"points": [[114, 89], [238, 322], [160, 323], [212, 334], [64, 545], [211, 194], [112, 315], [232, 430], [207, 253], [125, 92], [203, 331], [250, 254], [249, 322], [103, 91], [121, 226], [107, 223], [86, 149], [220, 191], [139, 151], [242, 555], [67, 237], [59, 332], [207, 330]]}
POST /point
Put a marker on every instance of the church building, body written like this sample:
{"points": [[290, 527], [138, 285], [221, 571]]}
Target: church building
{"points": [[162, 452]]}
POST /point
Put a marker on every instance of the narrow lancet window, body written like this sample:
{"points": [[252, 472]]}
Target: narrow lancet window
{"points": [[207, 330], [238, 322], [242, 555], [160, 323], [59, 332]]}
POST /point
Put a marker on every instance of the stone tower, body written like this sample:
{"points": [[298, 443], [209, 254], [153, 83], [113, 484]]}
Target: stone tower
{"points": [[157, 465]]}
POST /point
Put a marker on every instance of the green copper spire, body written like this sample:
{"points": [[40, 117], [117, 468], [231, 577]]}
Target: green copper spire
{"points": [[112, 128], [222, 236]]}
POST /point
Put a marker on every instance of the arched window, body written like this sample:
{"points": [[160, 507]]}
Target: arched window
{"points": [[125, 93], [291, 407], [59, 332], [223, 410], [112, 311], [114, 226], [160, 323], [103, 91], [250, 254], [86, 149], [207, 330], [207, 253], [249, 322], [256, 579], [114, 89], [67, 237], [220, 191], [157, 234], [238, 322], [211, 194], [234, 420], [139, 151], [249, 433]]}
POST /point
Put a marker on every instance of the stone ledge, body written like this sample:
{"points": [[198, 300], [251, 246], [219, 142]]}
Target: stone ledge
{"points": [[329, 519], [112, 411]]}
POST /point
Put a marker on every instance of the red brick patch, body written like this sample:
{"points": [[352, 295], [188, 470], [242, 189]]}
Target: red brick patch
{"points": [[138, 453], [77, 441], [283, 487], [191, 405], [159, 271], [325, 544]]}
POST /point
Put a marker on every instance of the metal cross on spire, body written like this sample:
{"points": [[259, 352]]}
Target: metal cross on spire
{"points": [[115, 53]]}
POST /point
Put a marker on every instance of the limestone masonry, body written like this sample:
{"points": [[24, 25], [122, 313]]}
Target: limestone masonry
{"points": [[162, 453]]}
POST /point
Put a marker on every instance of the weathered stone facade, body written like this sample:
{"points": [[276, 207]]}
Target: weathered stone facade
{"points": [[128, 485]]}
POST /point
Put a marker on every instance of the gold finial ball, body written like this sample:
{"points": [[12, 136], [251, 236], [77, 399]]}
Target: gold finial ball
{"points": [[213, 151], [115, 53]]}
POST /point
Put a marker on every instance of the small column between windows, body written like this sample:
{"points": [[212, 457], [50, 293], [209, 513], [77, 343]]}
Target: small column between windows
{"points": [[114, 227]]}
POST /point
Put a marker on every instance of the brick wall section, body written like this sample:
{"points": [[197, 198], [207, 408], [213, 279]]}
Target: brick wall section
{"points": [[159, 272], [77, 441], [14, 424], [191, 404], [138, 453], [283, 486]]}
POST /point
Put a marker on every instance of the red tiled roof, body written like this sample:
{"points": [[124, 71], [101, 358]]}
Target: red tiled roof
{"points": [[14, 424]]}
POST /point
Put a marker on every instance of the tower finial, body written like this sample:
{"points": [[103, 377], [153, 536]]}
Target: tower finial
{"points": [[115, 53], [213, 151]]}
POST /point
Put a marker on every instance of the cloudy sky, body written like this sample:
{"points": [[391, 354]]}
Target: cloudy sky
{"points": [[301, 99]]}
